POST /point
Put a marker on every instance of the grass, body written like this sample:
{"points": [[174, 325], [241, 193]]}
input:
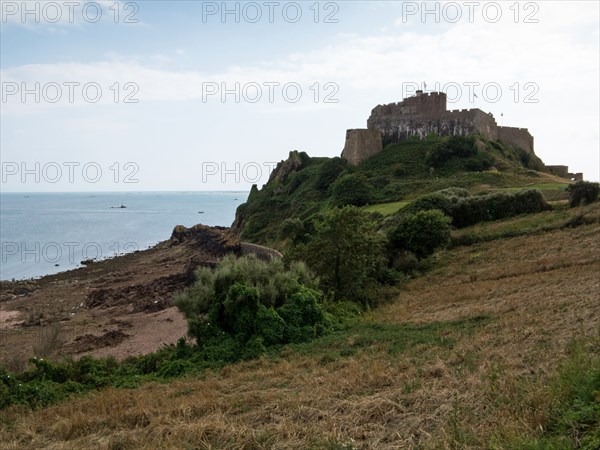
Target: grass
{"points": [[386, 209], [542, 186], [573, 416], [554, 191], [367, 336], [495, 347], [562, 216]]}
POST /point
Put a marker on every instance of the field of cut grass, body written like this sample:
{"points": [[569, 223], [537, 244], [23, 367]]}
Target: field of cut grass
{"points": [[496, 347]]}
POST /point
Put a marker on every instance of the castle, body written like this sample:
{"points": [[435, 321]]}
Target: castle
{"points": [[421, 115]]}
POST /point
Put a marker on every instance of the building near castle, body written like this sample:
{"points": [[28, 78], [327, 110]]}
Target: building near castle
{"points": [[421, 115]]}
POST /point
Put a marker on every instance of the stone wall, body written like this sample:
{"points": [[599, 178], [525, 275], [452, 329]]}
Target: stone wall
{"points": [[395, 128], [361, 144], [263, 253], [563, 172], [516, 137]]}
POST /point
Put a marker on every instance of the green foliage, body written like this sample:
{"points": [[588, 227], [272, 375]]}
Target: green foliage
{"points": [[257, 303], [238, 312], [345, 250], [269, 325], [351, 189], [449, 148], [469, 210], [292, 228], [329, 172], [459, 153], [421, 233], [583, 193], [400, 172]]}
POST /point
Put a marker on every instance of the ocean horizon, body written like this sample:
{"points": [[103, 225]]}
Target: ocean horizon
{"points": [[43, 233]]}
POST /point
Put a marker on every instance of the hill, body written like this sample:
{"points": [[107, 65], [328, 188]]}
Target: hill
{"points": [[302, 186]]}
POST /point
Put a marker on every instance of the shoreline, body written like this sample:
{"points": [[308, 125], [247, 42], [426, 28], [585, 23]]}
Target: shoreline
{"points": [[120, 306]]}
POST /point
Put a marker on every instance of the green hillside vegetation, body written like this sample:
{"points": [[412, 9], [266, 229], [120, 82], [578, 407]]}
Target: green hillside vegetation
{"points": [[388, 181]]}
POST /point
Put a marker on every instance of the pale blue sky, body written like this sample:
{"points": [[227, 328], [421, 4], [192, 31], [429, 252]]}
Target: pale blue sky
{"points": [[369, 54]]}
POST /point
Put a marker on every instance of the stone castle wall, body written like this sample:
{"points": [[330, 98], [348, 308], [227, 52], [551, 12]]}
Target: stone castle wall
{"points": [[361, 144], [563, 172], [516, 137]]}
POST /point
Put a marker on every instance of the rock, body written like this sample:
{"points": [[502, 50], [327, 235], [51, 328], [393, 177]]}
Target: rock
{"points": [[285, 168]]}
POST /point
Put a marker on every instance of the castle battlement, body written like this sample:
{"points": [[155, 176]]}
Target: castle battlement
{"points": [[463, 110], [515, 128]]}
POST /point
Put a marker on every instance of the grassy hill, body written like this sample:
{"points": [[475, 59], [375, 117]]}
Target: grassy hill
{"points": [[302, 186], [497, 346]]}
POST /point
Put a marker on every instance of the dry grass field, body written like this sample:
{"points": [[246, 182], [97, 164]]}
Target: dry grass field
{"points": [[468, 356]]}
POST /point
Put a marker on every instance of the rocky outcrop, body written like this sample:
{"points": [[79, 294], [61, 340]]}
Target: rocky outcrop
{"points": [[216, 241], [285, 168]]}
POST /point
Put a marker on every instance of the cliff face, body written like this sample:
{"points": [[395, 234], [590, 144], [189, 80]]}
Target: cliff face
{"points": [[295, 162]]}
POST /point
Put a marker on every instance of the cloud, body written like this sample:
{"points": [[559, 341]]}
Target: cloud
{"points": [[57, 16]]}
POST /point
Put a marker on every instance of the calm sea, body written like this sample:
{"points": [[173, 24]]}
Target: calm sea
{"points": [[45, 233]]}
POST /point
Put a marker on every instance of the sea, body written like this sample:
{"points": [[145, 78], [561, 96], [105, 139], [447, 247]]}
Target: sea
{"points": [[47, 233]]}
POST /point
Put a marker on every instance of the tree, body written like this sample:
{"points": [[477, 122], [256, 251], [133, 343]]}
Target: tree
{"points": [[421, 233], [345, 250]]}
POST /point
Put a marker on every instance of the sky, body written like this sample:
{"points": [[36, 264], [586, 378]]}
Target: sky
{"points": [[194, 95]]}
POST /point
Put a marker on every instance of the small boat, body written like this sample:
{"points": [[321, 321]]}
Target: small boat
{"points": [[200, 212], [118, 207]]}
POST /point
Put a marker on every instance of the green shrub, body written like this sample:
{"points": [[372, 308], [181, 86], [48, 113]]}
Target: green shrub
{"points": [[238, 312], [469, 210], [351, 189], [257, 303], [329, 172], [292, 228], [269, 325], [421, 233], [583, 193], [451, 147]]}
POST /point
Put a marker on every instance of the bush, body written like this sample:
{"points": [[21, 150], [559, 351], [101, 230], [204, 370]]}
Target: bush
{"points": [[469, 210], [292, 228], [583, 193], [256, 303], [329, 172], [449, 148], [421, 233], [351, 189], [458, 153]]}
